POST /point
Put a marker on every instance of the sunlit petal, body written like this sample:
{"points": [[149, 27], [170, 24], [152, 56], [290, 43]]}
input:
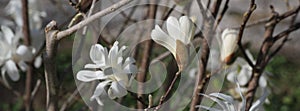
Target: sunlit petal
{"points": [[163, 39], [87, 76], [173, 28], [12, 70]]}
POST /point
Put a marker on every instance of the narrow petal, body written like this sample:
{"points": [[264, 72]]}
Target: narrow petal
{"points": [[113, 54], [87, 76], [231, 76], [244, 76], [129, 60], [130, 69], [173, 28], [12, 70], [8, 34], [38, 62], [223, 96], [243, 106], [22, 65], [187, 28], [92, 66], [97, 54], [163, 39], [98, 91], [116, 90], [219, 102]]}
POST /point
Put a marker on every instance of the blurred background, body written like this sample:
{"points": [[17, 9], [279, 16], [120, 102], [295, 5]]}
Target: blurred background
{"points": [[284, 80]]}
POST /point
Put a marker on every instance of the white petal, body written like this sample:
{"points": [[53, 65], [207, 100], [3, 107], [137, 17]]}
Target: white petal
{"points": [[219, 102], [231, 76], [92, 66], [87, 76], [262, 82], [173, 28], [116, 90], [129, 60], [243, 106], [8, 34], [22, 65], [187, 28], [130, 69], [223, 96], [12, 70], [24, 53], [250, 55], [38, 62], [244, 76], [97, 54], [98, 91], [163, 39], [113, 54]]}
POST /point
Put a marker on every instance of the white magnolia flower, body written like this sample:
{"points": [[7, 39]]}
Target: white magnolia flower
{"points": [[114, 72], [243, 71], [228, 45], [227, 103], [11, 54], [180, 34]]}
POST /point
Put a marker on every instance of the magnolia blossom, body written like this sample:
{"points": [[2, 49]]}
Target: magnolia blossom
{"points": [[227, 103], [228, 45], [114, 72], [180, 34], [11, 54], [243, 71]]}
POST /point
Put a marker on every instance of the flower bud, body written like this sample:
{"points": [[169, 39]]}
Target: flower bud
{"points": [[229, 45]]}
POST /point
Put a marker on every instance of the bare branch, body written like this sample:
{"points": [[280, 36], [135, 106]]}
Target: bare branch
{"points": [[242, 28], [62, 34], [27, 42]]}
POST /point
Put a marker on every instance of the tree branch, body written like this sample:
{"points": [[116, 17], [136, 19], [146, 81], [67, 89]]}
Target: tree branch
{"points": [[27, 42], [242, 28], [62, 34]]}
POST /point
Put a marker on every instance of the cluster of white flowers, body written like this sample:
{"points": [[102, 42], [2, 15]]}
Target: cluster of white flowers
{"points": [[12, 54], [110, 69], [114, 72], [227, 103]]}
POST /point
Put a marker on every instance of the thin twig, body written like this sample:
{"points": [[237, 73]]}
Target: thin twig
{"points": [[62, 34], [241, 31], [220, 17]]}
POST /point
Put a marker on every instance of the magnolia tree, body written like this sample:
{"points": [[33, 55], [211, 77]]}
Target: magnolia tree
{"points": [[140, 54]]}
